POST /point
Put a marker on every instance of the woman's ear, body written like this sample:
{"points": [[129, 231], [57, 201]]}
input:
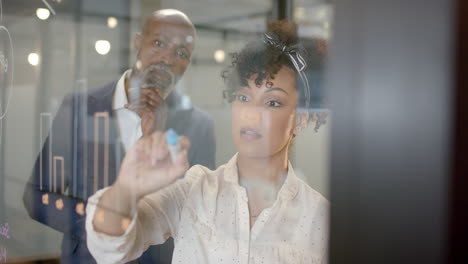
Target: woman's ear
{"points": [[302, 119]]}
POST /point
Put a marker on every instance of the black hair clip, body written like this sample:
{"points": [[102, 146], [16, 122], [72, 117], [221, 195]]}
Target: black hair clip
{"points": [[294, 53]]}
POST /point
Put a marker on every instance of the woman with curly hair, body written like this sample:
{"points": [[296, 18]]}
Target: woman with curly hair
{"points": [[253, 209]]}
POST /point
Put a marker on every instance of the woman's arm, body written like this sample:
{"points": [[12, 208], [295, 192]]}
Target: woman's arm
{"points": [[147, 168], [138, 209]]}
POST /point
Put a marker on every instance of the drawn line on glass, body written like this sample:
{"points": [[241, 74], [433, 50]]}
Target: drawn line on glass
{"points": [[82, 111], [62, 185], [1, 129], [105, 116], [49, 6], [3, 255], [41, 129], [2, 115]]}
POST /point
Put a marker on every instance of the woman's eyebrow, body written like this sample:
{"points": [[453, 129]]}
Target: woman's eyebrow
{"points": [[276, 89]]}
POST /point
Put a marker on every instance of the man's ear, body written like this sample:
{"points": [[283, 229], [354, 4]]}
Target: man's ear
{"points": [[137, 41], [302, 119]]}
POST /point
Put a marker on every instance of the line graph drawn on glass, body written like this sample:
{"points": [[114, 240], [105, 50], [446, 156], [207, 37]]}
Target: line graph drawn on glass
{"points": [[6, 70], [42, 117], [62, 183], [105, 117]]}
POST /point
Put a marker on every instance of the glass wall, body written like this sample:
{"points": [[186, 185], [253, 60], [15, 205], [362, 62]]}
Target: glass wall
{"points": [[51, 49]]}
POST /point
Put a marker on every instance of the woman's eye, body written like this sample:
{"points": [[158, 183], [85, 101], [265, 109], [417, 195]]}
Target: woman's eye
{"points": [[274, 103], [242, 98]]}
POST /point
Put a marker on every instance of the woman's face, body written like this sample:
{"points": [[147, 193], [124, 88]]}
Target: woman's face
{"points": [[263, 118]]}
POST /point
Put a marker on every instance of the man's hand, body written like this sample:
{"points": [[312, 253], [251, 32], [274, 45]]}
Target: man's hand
{"points": [[152, 110]]}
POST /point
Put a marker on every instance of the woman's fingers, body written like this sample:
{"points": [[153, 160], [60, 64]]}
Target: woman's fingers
{"points": [[184, 143], [180, 166]]}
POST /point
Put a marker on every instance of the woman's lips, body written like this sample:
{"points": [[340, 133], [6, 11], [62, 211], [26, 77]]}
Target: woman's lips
{"points": [[249, 134]]}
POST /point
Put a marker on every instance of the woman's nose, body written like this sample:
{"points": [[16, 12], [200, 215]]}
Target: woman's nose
{"points": [[251, 113]]}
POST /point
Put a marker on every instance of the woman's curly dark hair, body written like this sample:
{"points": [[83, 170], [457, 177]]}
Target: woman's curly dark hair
{"points": [[258, 57]]}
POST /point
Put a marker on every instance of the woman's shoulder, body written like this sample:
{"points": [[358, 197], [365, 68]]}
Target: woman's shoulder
{"points": [[311, 195], [202, 174]]}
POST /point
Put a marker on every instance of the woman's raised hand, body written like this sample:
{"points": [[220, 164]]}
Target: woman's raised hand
{"points": [[148, 167]]}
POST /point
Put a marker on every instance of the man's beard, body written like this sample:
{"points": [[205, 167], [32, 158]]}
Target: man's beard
{"points": [[155, 76], [159, 77]]}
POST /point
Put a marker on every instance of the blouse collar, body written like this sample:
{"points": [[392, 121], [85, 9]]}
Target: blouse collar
{"points": [[288, 190]]}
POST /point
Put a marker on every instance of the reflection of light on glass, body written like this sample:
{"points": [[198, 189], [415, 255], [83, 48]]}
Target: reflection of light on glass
{"points": [[138, 64], [112, 22], [219, 56], [80, 208], [42, 13], [299, 13], [59, 204], [125, 223], [102, 47], [100, 216], [189, 39], [45, 199], [33, 59]]}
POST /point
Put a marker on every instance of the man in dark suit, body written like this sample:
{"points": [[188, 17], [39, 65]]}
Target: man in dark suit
{"points": [[92, 131]]}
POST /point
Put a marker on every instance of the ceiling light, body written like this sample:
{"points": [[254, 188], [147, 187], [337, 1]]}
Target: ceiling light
{"points": [[112, 22], [219, 56], [102, 47], [42, 13], [33, 59]]}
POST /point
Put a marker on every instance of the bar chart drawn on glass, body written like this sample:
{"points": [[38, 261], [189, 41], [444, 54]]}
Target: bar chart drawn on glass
{"points": [[56, 177]]}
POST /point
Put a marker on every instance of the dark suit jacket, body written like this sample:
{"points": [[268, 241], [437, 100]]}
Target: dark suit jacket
{"points": [[84, 144]]}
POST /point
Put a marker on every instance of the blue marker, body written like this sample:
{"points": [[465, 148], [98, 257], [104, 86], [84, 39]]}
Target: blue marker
{"points": [[173, 143]]}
